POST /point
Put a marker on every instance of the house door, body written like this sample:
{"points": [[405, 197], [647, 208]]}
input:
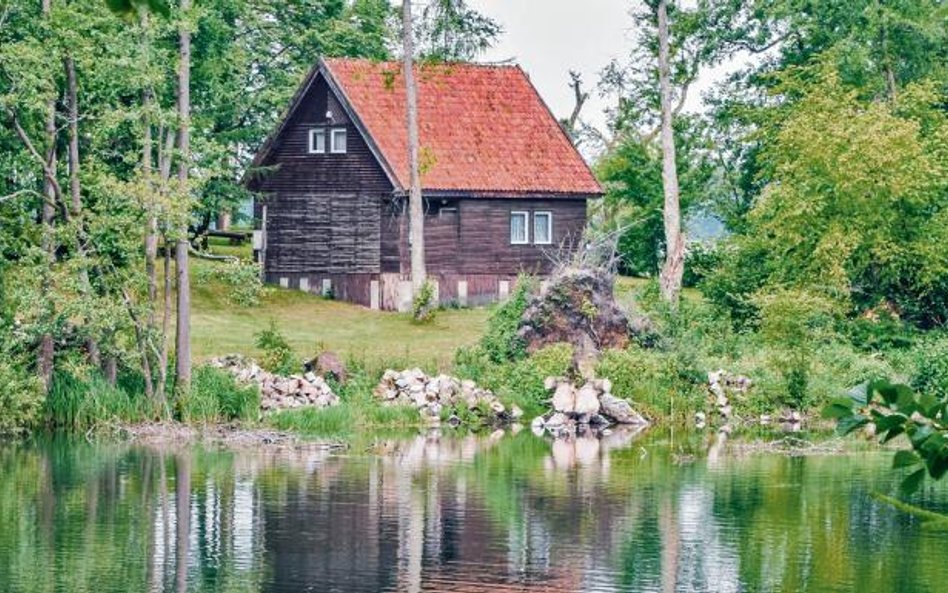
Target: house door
{"points": [[442, 228]]}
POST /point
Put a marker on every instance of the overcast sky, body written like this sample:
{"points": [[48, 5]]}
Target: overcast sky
{"points": [[548, 38]]}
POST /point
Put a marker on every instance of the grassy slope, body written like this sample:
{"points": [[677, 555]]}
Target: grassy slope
{"points": [[309, 321]]}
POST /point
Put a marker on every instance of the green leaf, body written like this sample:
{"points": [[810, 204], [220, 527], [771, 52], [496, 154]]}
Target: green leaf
{"points": [[858, 395], [920, 435], [850, 423], [911, 484], [893, 432], [887, 422], [937, 466], [905, 459], [838, 408]]}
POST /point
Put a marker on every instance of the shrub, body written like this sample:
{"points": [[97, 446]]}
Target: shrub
{"points": [[930, 361], [21, 398], [501, 342], [878, 335], [794, 322], [242, 279], [700, 261], [423, 307], [216, 396], [651, 381], [278, 356]]}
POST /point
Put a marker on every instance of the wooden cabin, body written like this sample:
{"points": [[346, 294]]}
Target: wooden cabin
{"points": [[503, 185]]}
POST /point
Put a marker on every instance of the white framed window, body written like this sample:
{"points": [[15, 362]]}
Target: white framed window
{"points": [[317, 141], [519, 228], [542, 228], [338, 140]]}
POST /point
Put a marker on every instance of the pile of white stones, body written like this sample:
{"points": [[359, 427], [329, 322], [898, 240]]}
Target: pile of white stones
{"points": [[278, 392], [432, 395], [592, 404]]}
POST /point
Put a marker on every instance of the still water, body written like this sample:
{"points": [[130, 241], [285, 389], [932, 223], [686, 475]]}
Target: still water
{"points": [[652, 512]]}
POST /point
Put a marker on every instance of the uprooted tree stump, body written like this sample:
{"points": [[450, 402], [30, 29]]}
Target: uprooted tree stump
{"points": [[577, 307]]}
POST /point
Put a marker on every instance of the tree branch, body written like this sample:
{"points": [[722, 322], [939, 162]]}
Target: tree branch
{"points": [[47, 170]]}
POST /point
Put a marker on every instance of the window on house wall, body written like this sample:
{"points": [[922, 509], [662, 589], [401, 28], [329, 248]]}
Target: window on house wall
{"points": [[317, 141], [519, 232], [542, 228], [338, 140]]}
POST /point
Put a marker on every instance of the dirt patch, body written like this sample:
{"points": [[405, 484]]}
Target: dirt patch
{"points": [[231, 436]]}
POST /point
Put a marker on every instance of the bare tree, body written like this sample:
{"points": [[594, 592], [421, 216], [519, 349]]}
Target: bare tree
{"points": [[674, 266], [183, 326], [415, 205]]}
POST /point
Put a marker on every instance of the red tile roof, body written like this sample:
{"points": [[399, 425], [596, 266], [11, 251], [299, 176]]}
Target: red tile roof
{"points": [[482, 128]]}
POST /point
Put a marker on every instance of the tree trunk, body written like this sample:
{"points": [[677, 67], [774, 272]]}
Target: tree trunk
{"points": [[674, 266], [415, 204], [75, 191], [183, 327], [47, 350], [151, 224]]}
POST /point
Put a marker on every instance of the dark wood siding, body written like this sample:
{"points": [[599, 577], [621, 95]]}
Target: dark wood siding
{"points": [[472, 236], [323, 210]]}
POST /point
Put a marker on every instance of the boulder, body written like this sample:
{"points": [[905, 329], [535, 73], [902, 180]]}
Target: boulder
{"points": [[587, 400], [620, 410]]}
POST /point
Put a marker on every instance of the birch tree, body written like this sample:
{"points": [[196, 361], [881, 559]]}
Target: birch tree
{"points": [[674, 267], [415, 206]]}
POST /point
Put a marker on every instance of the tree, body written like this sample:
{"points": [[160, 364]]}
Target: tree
{"points": [[451, 31], [415, 205], [674, 267], [182, 245]]}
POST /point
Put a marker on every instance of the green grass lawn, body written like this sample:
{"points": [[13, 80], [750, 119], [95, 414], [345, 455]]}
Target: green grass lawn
{"points": [[310, 323]]}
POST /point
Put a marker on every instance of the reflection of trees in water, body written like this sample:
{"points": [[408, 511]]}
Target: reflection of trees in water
{"points": [[465, 514]]}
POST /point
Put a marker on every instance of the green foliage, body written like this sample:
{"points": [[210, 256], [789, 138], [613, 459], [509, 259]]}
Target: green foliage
{"points": [[881, 334], [930, 367], [632, 175], [423, 306], [501, 342], [658, 384], [277, 356], [853, 188], [21, 398], [793, 322], [80, 403], [701, 259], [896, 410], [240, 281], [216, 397], [451, 31]]}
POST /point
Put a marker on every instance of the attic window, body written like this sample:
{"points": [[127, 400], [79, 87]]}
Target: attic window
{"points": [[519, 232], [338, 140], [317, 141]]}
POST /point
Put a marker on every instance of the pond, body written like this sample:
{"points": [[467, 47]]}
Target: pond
{"points": [[647, 512]]}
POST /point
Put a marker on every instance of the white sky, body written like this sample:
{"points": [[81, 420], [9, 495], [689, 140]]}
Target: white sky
{"points": [[548, 38]]}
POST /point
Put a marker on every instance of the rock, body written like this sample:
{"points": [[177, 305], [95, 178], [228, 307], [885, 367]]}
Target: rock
{"points": [[620, 410], [587, 400], [515, 412], [454, 420], [564, 398], [557, 420], [538, 423]]}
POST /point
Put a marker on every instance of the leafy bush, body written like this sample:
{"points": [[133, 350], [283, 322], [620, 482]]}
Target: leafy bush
{"points": [[501, 342], [423, 307], [652, 381], [930, 361], [278, 356], [879, 335], [216, 396], [793, 322], [242, 280], [21, 398], [700, 261]]}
